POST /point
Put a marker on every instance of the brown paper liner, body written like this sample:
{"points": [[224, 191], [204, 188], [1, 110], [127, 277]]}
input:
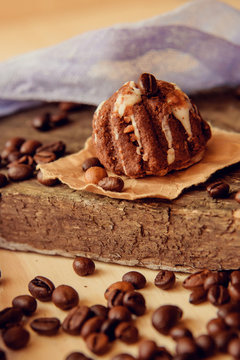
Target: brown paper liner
{"points": [[223, 149]]}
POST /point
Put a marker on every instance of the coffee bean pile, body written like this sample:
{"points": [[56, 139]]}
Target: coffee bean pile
{"points": [[96, 174], [21, 156]]}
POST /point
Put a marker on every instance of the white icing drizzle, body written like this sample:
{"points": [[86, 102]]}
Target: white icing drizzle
{"points": [[124, 100], [99, 108], [168, 134]]}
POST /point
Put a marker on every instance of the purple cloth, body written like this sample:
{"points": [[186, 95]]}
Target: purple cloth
{"points": [[196, 46]]}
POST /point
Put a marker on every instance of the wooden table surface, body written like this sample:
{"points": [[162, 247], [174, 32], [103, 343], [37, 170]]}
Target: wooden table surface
{"points": [[25, 26]]}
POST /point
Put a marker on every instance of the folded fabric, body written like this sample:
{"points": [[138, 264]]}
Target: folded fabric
{"points": [[196, 46]]}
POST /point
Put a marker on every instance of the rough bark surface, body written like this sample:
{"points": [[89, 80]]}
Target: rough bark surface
{"points": [[186, 234]]}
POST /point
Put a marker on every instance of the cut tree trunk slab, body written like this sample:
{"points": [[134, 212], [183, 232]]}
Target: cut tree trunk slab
{"points": [[189, 233]]}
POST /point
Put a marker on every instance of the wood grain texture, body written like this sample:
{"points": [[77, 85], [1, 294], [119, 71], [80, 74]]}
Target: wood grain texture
{"points": [[188, 233]]}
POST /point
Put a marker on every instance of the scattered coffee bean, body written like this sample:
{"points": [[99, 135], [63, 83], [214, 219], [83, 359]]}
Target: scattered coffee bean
{"points": [[69, 106], [46, 182], [162, 354], [75, 319], [234, 348], [15, 337], [41, 288], [91, 162], [198, 296], [44, 157], [83, 266], [10, 316], [121, 285], [3, 180], [123, 356], [186, 345], [215, 278], [41, 122], [223, 338], [29, 147], [20, 172], [148, 84], [46, 326], [120, 313], [206, 345], [115, 298], [92, 325], [26, 303], [94, 174], [180, 331], [97, 343], [59, 119], [227, 308], [111, 183], [216, 326], [65, 297], [108, 328], [165, 279], [77, 356], [218, 189], [25, 159], [165, 317], [126, 332], [237, 196], [137, 279], [218, 295], [5, 153], [195, 280], [13, 156], [147, 350], [233, 320], [234, 291], [14, 143], [99, 310], [235, 277], [135, 302], [2, 355], [58, 148]]}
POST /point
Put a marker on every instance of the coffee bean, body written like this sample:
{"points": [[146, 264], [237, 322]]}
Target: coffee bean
{"points": [[147, 349], [58, 148], [26, 303], [46, 326], [222, 340], [44, 157], [97, 343], [235, 277], [3, 180], [75, 319], [137, 279], [46, 182], [121, 285], [233, 320], [206, 345], [186, 345], [59, 119], [14, 143], [123, 356], [227, 308], [65, 297], [94, 174], [215, 278], [165, 279], [25, 159], [180, 331], [2, 355], [185, 357], [29, 147], [218, 295], [99, 310], [5, 153], [41, 122], [237, 197], [15, 337], [126, 332], [148, 84], [120, 313], [234, 291], [20, 172], [135, 302], [108, 328], [234, 348], [77, 356], [90, 162], [69, 106], [13, 156], [83, 266], [92, 325], [10, 316], [198, 296], [41, 288], [115, 298], [218, 189], [111, 183], [162, 354], [165, 317], [216, 326], [195, 280]]}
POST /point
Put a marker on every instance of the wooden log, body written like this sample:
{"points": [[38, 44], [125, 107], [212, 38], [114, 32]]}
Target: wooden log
{"points": [[189, 233]]}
